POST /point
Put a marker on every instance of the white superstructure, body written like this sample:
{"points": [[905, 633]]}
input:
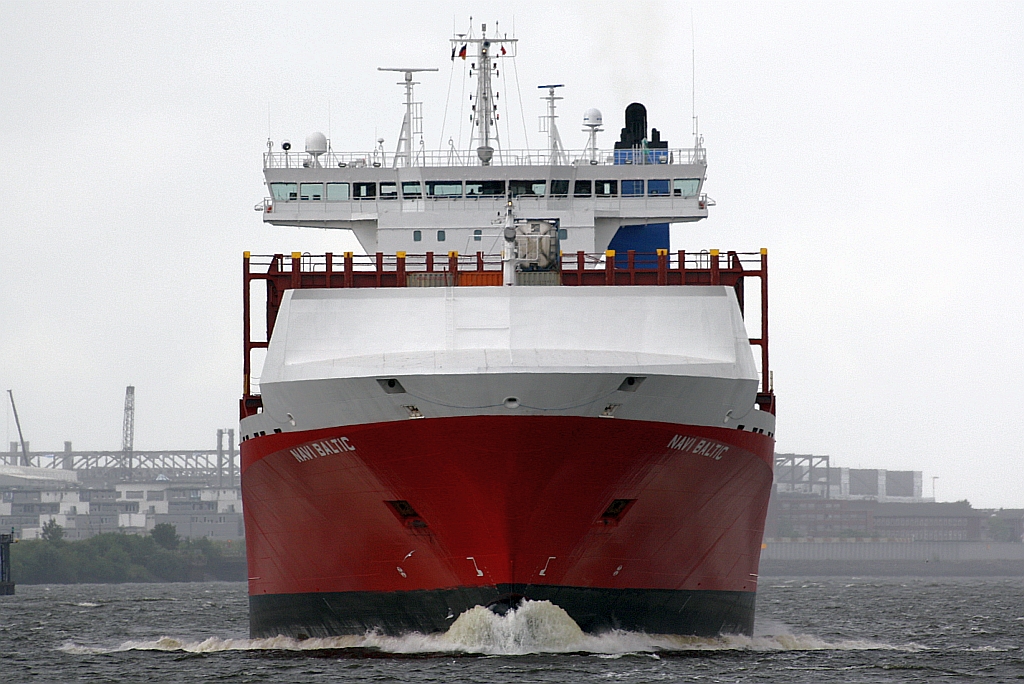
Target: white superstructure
{"points": [[419, 200], [559, 351]]}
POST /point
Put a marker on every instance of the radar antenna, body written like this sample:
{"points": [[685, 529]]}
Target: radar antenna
{"points": [[412, 124], [592, 121], [547, 124]]}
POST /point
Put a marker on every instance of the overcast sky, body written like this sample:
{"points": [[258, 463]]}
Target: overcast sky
{"points": [[875, 149]]}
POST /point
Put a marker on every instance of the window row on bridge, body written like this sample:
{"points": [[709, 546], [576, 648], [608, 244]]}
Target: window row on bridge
{"points": [[343, 192], [478, 235]]}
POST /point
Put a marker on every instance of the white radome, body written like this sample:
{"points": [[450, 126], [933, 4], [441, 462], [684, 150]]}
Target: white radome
{"points": [[316, 143], [592, 117]]}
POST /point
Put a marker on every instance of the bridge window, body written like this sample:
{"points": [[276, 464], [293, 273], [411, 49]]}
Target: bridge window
{"points": [[607, 188], [440, 236], [311, 191], [583, 188], [284, 192], [685, 187], [559, 188], [527, 188], [364, 190], [494, 188], [411, 190], [478, 235], [657, 188], [388, 191], [417, 236], [444, 188], [632, 188], [337, 192]]}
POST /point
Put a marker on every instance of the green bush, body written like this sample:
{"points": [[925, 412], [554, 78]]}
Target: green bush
{"points": [[115, 557]]}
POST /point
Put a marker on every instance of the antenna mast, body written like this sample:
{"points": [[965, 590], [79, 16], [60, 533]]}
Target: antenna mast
{"points": [[547, 123], [485, 112], [693, 81], [412, 124]]}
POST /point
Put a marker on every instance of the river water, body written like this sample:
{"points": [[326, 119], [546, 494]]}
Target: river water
{"points": [[807, 630]]}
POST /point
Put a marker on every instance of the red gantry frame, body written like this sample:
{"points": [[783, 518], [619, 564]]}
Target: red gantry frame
{"points": [[301, 271]]}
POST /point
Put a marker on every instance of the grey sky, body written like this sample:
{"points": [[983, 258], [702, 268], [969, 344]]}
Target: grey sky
{"points": [[875, 149]]}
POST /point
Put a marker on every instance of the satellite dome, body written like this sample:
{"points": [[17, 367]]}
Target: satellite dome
{"points": [[592, 117], [316, 143]]}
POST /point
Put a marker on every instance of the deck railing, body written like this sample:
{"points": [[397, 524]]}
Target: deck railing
{"points": [[441, 158]]}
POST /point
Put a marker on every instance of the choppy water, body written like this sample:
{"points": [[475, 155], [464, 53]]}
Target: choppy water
{"points": [[808, 630]]}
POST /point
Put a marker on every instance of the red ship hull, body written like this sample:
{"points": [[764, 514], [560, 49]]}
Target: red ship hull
{"points": [[401, 526]]}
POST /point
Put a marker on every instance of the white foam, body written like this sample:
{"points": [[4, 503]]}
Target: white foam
{"points": [[535, 627]]}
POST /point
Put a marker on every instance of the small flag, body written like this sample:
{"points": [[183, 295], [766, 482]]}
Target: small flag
{"points": [[502, 49], [462, 53], [453, 53]]}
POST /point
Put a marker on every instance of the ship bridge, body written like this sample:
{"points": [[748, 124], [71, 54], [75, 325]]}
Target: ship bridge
{"points": [[417, 200], [448, 202]]}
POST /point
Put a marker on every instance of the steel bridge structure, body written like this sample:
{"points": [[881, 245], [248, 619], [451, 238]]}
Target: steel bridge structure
{"points": [[220, 466]]}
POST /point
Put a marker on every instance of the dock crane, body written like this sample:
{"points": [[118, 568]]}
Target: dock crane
{"points": [[21, 438]]}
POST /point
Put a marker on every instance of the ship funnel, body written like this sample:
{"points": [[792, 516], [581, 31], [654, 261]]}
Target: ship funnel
{"points": [[635, 131]]}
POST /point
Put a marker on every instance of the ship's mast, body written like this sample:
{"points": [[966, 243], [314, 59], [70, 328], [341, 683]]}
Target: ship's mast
{"points": [[484, 109], [508, 252], [412, 124], [548, 124]]}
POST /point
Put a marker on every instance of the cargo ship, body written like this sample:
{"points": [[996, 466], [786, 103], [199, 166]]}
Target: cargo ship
{"points": [[519, 392]]}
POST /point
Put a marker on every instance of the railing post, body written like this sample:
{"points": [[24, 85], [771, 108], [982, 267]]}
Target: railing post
{"points": [[765, 385], [609, 267], [380, 266], [453, 268], [479, 261], [246, 327], [663, 267], [400, 269], [296, 270], [715, 273], [349, 276], [328, 267], [631, 265], [430, 262]]}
